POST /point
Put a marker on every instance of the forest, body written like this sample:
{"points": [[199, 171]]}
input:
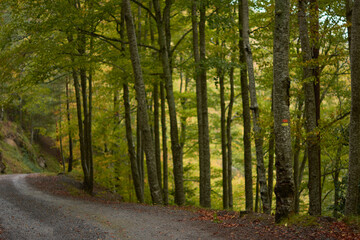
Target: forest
{"points": [[248, 105]]}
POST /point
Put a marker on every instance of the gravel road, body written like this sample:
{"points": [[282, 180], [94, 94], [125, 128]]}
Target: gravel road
{"points": [[27, 213]]}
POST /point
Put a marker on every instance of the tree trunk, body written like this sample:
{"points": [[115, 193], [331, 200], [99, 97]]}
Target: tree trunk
{"points": [[131, 149], [141, 98], [336, 180], [80, 123], [284, 188], [175, 145], [246, 118], [196, 53], [139, 149], [352, 194], [60, 141], [229, 136], [205, 178], [71, 156], [225, 169], [83, 153], [311, 117], [349, 6], [257, 192], [297, 149], [259, 141], [271, 167], [157, 132], [164, 146]]}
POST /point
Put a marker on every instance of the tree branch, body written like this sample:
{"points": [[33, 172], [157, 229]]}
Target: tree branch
{"points": [[180, 40], [144, 7], [103, 37]]}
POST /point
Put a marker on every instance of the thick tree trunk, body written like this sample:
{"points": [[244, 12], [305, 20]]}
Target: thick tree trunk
{"points": [[155, 190], [71, 156], [164, 145], [249, 202], [352, 194], [284, 188], [259, 141], [310, 116], [175, 145]]}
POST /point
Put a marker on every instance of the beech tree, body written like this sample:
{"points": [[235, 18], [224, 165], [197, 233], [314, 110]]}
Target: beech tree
{"points": [[259, 141], [352, 194], [156, 193], [284, 188], [310, 115], [246, 115]]}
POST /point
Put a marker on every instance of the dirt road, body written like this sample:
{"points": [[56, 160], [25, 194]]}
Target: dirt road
{"points": [[27, 213]]}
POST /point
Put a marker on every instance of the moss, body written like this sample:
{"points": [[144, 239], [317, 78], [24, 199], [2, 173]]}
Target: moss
{"points": [[301, 220]]}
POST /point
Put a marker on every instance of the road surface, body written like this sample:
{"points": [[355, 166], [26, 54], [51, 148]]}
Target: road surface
{"points": [[27, 213]]}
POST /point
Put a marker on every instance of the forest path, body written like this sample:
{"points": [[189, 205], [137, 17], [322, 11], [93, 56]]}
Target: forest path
{"points": [[27, 213]]}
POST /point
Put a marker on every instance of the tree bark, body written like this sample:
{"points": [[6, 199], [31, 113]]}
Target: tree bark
{"points": [[297, 149], [259, 141], [131, 149], [175, 145], [196, 53], [225, 169], [310, 117], [271, 167], [201, 98], [352, 194], [348, 9], [205, 177], [157, 132], [155, 190], [71, 156], [80, 123], [229, 136], [336, 181], [284, 188], [164, 145], [249, 202]]}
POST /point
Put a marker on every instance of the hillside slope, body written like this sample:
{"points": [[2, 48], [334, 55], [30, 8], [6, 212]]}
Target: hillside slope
{"points": [[18, 155]]}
